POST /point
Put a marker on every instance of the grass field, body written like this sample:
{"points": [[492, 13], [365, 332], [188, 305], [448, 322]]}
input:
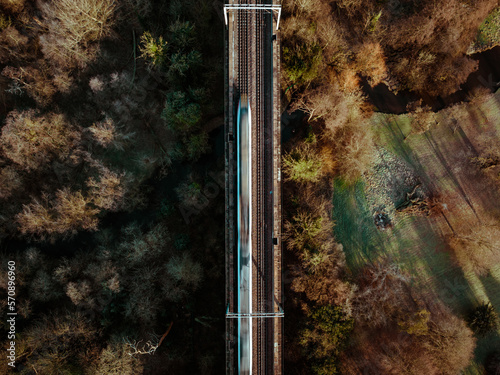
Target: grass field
{"points": [[438, 162], [488, 34]]}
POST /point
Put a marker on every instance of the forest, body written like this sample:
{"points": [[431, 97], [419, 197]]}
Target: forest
{"points": [[392, 194], [113, 219], [112, 186]]}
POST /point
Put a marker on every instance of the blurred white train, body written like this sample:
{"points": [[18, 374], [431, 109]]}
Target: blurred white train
{"points": [[244, 221]]}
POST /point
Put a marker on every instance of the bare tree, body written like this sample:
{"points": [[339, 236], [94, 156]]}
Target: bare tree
{"points": [[115, 360], [32, 140], [477, 250], [72, 28], [382, 293], [353, 149], [69, 213], [139, 348]]}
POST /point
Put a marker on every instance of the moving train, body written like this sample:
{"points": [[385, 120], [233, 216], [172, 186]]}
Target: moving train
{"points": [[244, 220]]}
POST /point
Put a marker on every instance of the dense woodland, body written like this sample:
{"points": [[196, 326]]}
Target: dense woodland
{"points": [[106, 108], [111, 200]]}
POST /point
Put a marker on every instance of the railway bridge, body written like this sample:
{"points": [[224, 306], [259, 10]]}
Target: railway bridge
{"points": [[254, 316]]}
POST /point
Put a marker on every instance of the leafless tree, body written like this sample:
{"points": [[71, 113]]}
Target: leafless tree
{"points": [[73, 27], [139, 348]]}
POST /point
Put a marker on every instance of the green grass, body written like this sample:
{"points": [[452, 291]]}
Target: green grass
{"points": [[489, 31], [417, 243]]}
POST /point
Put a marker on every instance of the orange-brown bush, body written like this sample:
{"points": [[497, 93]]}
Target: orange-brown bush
{"points": [[108, 192], [370, 62], [415, 335], [382, 294], [54, 344], [353, 150], [36, 80], [477, 250], [427, 48], [417, 46], [14, 6]]}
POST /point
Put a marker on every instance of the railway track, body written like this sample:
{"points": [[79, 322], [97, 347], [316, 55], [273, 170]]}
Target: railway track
{"points": [[258, 179], [250, 81], [253, 47]]}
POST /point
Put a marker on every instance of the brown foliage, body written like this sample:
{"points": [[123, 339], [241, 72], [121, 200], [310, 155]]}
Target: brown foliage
{"points": [[73, 27], [420, 46], [10, 182], [54, 344], [450, 343], [32, 140], [320, 277], [70, 212], [336, 107], [37, 81], [415, 336], [15, 6], [108, 192], [353, 149], [115, 359], [370, 62], [477, 250], [434, 41], [309, 234], [382, 294], [12, 44]]}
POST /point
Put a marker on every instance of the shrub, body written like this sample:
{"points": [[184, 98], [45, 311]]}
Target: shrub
{"points": [[370, 61], [55, 343], [181, 63], [104, 132], [181, 35], [488, 33], [153, 50], [38, 81], [180, 112], [302, 231], [483, 319], [326, 335], [14, 6], [108, 192], [450, 343], [301, 63], [10, 182], [197, 145], [381, 296], [5, 21], [416, 324], [303, 164], [185, 271]]}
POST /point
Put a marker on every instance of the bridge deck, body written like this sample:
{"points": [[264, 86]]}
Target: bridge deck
{"points": [[253, 68]]}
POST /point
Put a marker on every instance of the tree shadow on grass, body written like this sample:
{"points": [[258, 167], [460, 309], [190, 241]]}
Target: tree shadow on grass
{"points": [[491, 341], [354, 226], [396, 140]]}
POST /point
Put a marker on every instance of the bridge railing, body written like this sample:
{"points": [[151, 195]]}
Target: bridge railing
{"points": [[272, 8]]}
